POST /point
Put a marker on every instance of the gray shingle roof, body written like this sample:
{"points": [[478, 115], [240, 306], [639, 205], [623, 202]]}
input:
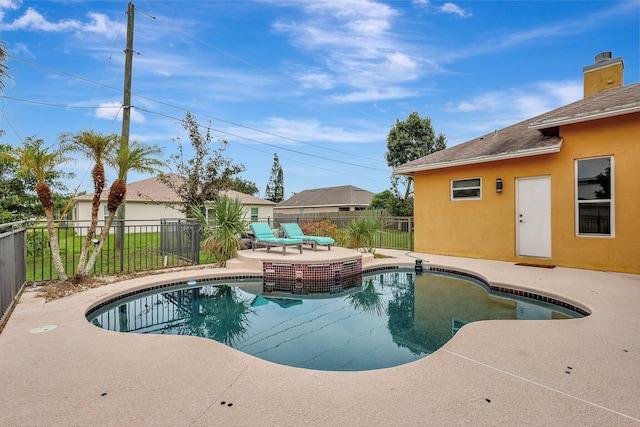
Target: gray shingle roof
{"points": [[346, 195], [538, 135]]}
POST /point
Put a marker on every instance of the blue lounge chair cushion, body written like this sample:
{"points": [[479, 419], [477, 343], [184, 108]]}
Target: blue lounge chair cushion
{"points": [[263, 233]]}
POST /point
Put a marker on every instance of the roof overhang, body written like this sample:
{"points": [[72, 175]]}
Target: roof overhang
{"points": [[482, 159], [593, 115], [330, 205]]}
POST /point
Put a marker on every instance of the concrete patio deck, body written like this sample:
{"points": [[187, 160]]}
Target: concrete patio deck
{"points": [[578, 372]]}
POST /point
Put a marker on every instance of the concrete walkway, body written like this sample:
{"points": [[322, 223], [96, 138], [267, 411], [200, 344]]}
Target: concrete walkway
{"points": [[57, 369]]}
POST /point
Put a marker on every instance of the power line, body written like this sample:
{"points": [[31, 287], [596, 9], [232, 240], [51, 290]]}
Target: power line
{"points": [[213, 129], [186, 110], [47, 104], [266, 143]]}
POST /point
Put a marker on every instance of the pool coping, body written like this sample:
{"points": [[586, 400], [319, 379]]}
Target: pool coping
{"points": [[532, 372]]}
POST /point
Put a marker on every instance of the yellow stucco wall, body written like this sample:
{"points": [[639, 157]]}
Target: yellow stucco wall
{"points": [[604, 78], [486, 228]]}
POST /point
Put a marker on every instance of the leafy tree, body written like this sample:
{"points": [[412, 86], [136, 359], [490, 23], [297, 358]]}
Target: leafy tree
{"points": [[95, 147], [243, 186], [275, 187], [392, 203], [38, 162], [134, 156], [205, 173], [409, 140], [18, 200]]}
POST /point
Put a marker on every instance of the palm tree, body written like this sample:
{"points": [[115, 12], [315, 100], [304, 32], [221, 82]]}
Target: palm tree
{"points": [[94, 146], [36, 161], [134, 156], [223, 238], [363, 230]]}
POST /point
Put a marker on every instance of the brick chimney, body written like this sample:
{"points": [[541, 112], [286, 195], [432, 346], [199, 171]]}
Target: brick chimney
{"points": [[606, 73]]}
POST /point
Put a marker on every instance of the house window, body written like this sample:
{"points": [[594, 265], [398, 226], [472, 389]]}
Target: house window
{"points": [[466, 189], [360, 208], [594, 194], [254, 214], [105, 212], [343, 209]]}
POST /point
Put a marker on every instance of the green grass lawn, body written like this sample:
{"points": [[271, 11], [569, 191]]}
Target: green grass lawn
{"points": [[140, 252]]}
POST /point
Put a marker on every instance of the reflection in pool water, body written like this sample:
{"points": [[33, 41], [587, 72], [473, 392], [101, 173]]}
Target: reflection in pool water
{"points": [[391, 319]]}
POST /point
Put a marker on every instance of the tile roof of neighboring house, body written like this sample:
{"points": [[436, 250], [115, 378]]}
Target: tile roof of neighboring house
{"points": [[154, 190], [346, 195], [247, 199], [531, 137]]}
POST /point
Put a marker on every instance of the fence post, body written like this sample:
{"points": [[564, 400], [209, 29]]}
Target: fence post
{"points": [[410, 221], [120, 233]]}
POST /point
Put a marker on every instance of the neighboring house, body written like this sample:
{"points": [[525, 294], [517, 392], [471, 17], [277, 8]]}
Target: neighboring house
{"points": [[344, 198], [558, 189], [151, 200]]}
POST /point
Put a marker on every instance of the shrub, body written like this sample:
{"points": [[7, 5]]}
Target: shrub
{"points": [[37, 241], [319, 228], [363, 230]]}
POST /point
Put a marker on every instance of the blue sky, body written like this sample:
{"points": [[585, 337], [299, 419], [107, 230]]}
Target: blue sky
{"points": [[320, 83]]}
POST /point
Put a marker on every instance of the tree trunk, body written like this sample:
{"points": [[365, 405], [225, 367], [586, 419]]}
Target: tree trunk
{"points": [[116, 196], [55, 247], [98, 178], [98, 247]]}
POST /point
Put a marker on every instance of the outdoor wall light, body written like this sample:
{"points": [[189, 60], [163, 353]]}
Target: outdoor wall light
{"points": [[498, 185]]}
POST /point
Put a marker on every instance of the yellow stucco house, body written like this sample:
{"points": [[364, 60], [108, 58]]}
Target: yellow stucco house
{"points": [[560, 189]]}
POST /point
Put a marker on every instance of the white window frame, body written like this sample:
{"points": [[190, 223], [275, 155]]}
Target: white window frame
{"points": [[452, 190], [255, 213], [610, 200]]}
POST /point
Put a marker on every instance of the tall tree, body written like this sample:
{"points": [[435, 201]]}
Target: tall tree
{"points": [[243, 186], [204, 173], [409, 140], [39, 162], [94, 146], [134, 156], [275, 186]]}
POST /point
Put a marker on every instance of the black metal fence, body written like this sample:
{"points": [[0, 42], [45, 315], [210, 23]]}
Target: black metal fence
{"points": [[12, 265], [394, 233], [142, 246]]}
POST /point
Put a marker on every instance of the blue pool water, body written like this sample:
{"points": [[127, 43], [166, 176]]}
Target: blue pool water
{"points": [[394, 317]]}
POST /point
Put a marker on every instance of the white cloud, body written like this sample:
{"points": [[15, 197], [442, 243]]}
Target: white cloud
{"points": [[373, 95], [309, 131], [32, 20], [520, 103], [316, 80], [113, 111], [356, 42], [455, 9]]}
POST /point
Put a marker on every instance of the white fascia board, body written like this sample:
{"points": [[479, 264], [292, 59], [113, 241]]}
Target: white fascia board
{"points": [[594, 115], [483, 159]]}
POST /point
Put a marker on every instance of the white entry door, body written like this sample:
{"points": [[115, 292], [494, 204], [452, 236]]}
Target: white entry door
{"points": [[533, 217]]}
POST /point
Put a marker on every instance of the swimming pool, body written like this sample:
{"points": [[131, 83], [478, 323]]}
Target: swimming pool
{"points": [[387, 319]]}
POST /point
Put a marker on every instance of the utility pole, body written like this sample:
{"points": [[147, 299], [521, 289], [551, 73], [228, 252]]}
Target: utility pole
{"points": [[126, 121]]}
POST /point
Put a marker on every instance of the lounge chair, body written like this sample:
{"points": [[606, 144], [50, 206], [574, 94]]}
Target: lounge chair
{"points": [[264, 236], [293, 231]]}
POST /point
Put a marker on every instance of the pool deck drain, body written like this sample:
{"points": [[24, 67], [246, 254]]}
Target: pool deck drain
{"points": [[490, 373]]}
